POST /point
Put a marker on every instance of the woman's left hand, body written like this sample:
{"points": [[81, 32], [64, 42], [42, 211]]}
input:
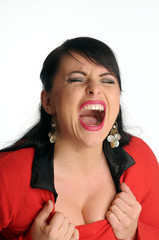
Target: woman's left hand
{"points": [[123, 214]]}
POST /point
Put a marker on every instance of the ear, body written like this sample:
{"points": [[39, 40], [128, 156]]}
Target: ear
{"points": [[47, 102]]}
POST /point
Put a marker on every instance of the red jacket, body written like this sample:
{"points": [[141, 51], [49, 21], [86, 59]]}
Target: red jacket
{"points": [[21, 197]]}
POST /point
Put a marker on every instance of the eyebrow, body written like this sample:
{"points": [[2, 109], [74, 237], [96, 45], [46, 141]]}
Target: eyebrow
{"points": [[105, 74], [85, 74], [81, 72]]}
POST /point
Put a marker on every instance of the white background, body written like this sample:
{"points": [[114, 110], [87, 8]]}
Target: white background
{"points": [[30, 29]]}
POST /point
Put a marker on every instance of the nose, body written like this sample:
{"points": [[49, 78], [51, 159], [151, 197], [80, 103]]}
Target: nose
{"points": [[93, 89]]}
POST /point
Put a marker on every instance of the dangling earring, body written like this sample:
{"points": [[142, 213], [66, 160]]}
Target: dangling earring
{"points": [[53, 133], [114, 136]]}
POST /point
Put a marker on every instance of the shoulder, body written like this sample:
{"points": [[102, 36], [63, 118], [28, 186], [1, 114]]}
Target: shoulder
{"points": [[16, 164], [136, 144], [144, 174], [24, 155], [140, 151]]}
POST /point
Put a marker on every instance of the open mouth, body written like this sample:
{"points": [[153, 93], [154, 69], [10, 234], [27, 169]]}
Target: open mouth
{"points": [[92, 114]]}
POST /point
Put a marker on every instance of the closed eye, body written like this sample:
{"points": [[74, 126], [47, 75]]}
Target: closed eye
{"points": [[109, 81], [71, 80]]}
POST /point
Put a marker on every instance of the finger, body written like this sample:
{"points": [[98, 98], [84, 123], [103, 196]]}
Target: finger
{"points": [[128, 199], [64, 227], [70, 231], [127, 205], [120, 215], [45, 212], [122, 205], [75, 235], [56, 221], [112, 219], [54, 226], [126, 189]]}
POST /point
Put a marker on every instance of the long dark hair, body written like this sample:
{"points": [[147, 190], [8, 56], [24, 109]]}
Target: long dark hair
{"points": [[93, 50]]}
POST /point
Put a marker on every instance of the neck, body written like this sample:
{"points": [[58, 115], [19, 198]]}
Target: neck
{"points": [[77, 159]]}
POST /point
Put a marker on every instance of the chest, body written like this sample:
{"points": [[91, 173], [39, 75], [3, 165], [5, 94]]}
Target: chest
{"points": [[85, 200]]}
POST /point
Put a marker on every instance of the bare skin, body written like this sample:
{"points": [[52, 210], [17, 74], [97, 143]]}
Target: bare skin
{"points": [[59, 227], [86, 191], [83, 187], [123, 214]]}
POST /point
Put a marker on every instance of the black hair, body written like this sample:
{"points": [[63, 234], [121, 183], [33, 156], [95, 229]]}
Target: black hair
{"points": [[93, 50]]}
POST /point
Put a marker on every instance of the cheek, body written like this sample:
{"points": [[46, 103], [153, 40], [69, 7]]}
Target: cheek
{"points": [[114, 99], [64, 107], [67, 99], [58, 99], [116, 103], [113, 105]]}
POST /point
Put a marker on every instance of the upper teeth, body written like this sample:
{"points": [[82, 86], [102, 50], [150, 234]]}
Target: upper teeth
{"points": [[93, 107]]}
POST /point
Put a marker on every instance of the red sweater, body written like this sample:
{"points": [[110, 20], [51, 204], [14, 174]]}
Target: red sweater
{"points": [[20, 203]]}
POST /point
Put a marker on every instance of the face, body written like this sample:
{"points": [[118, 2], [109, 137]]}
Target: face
{"points": [[85, 99]]}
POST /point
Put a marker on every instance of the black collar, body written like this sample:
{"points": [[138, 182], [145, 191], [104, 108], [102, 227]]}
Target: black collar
{"points": [[43, 170], [118, 161]]}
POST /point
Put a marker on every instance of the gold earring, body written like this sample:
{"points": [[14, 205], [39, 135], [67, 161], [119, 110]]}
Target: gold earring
{"points": [[53, 133], [114, 136]]}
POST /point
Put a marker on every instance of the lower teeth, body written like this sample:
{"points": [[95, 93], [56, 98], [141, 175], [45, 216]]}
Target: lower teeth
{"points": [[98, 123]]}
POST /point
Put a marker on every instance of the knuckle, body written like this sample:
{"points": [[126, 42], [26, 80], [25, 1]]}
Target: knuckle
{"points": [[112, 208], [127, 223], [59, 217], [132, 213], [72, 227], [37, 221], [66, 220], [133, 216], [59, 214], [120, 195], [139, 207], [49, 233], [136, 212], [44, 228], [115, 201]]}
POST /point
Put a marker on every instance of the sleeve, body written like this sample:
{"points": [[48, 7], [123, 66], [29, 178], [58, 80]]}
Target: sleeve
{"points": [[148, 224], [26, 237], [6, 210]]}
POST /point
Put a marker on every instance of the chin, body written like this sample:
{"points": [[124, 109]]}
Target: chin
{"points": [[93, 140]]}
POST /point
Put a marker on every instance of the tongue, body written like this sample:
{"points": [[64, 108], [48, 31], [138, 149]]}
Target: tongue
{"points": [[89, 120]]}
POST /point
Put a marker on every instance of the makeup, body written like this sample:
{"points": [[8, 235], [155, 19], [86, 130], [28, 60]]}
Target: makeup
{"points": [[92, 115]]}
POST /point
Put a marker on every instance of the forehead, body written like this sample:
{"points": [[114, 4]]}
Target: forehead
{"points": [[75, 61]]}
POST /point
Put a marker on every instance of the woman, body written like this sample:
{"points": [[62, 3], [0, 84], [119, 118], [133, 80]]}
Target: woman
{"points": [[77, 174]]}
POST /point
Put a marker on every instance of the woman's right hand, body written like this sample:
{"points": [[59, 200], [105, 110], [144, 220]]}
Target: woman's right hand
{"points": [[59, 228]]}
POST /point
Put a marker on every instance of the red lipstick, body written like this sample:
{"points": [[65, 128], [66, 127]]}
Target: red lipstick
{"points": [[92, 115]]}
